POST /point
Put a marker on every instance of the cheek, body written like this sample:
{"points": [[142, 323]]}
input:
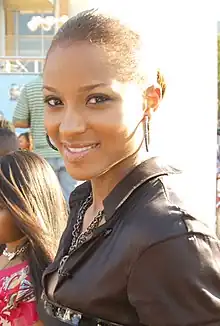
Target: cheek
{"points": [[22, 144], [52, 122], [133, 113], [8, 230], [46, 119], [123, 132], [119, 124]]}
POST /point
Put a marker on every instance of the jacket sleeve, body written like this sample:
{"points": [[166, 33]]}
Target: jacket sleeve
{"points": [[177, 282]]}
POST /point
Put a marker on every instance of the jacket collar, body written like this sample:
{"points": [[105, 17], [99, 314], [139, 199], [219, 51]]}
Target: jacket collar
{"points": [[151, 168]]}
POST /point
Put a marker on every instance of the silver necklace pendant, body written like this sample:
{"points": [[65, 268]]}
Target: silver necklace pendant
{"points": [[9, 255], [12, 255]]}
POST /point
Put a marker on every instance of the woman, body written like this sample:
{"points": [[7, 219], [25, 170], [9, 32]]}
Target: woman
{"points": [[32, 218], [25, 141], [131, 254]]}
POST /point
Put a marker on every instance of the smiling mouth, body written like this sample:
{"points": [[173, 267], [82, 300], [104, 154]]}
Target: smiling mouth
{"points": [[80, 149], [77, 153]]}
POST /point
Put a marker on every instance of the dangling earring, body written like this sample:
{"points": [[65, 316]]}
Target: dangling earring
{"points": [[146, 133], [146, 128], [50, 143]]}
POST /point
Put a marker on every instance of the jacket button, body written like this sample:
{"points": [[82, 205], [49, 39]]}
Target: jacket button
{"points": [[107, 232]]}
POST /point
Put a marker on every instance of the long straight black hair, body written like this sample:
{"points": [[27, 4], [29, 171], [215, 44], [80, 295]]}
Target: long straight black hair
{"points": [[30, 190]]}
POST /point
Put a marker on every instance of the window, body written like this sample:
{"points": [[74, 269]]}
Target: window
{"points": [[27, 42]]}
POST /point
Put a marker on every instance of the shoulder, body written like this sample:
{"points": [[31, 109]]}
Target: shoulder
{"points": [[159, 211], [34, 87], [37, 82], [182, 255], [183, 267]]}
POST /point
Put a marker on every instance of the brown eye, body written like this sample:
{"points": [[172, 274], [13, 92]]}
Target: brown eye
{"points": [[53, 102], [98, 99]]}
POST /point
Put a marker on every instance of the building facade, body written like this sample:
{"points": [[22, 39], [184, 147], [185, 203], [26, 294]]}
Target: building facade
{"points": [[26, 30], [18, 35]]}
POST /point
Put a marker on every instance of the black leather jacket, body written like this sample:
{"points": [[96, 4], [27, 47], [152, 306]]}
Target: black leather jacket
{"points": [[151, 263]]}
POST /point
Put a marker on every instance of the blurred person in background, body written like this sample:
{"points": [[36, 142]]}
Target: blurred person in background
{"points": [[25, 141], [32, 218], [218, 191], [29, 113], [8, 138]]}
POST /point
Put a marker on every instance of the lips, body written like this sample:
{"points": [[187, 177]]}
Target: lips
{"points": [[80, 149], [77, 152]]}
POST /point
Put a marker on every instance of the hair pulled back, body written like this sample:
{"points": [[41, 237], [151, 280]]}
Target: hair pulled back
{"points": [[121, 44]]}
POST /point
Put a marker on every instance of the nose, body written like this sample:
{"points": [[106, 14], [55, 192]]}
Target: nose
{"points": [[73, 122]]}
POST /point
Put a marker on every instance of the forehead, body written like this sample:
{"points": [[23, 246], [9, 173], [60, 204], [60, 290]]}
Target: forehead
{"points": [[77, 64]]}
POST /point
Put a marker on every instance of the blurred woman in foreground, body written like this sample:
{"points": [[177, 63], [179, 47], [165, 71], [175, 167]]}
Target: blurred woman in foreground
{"points": [[32, 218]]}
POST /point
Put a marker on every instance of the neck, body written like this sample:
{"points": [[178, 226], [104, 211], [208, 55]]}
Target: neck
{"points": [[12, 246], [104, 184]]}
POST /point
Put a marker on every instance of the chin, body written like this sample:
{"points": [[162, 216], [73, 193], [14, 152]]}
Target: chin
{"points": [[87, 170], [82, 174], [77, 175]]}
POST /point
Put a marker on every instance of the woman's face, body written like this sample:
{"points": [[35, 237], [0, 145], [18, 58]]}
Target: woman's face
{"points": [[9, 232], [23, 143], [92, 118]]}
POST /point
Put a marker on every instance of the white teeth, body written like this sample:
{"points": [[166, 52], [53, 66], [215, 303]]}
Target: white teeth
{"points": [[81, 149]]}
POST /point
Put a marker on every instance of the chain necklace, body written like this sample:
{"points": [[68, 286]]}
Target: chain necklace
{"points": [[12, 255], [78, 237]]}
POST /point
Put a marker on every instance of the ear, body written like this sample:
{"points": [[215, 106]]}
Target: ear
{"points": [[152, 99]]}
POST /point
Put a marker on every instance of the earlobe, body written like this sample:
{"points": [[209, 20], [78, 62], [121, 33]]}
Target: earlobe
{"points": [[152, 99]]}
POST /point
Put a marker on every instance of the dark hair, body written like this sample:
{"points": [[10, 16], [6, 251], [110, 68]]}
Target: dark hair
{"points": [[30, 190], [5, 124], [122, 45], [26, 135], [5, 132], [8, 137]]}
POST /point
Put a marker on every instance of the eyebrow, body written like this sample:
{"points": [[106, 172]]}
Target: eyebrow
{"points": [[81, 89]]}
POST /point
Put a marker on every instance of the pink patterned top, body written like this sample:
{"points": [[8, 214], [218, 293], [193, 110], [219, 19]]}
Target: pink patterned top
{"points": [[17, 301]]}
